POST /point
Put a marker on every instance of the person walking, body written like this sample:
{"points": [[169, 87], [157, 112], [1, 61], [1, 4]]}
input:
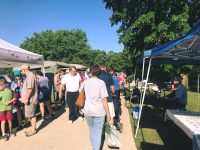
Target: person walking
{"points": [[107, 78], [30, 98], [116, 85], [72, 82], [44, 94], [96, 107]]}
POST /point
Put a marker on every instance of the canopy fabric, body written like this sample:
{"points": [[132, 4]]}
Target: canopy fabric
{"points": [[46, 65], [13, 56], [186, 47], [78, 66]]}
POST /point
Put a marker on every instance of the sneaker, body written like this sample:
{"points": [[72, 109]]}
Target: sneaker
{"points": [[5, 138], [52, 116], [43, 118], [30, 133], [81, 118], [70, 121]]}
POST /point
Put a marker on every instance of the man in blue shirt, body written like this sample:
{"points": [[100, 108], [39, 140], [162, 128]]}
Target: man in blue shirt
{"points": [[179, 99], [116, 85], [107, 78]]}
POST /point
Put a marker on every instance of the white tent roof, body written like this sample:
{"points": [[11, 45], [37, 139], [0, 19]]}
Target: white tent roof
{"points": [[46, 65], [13, 56]]}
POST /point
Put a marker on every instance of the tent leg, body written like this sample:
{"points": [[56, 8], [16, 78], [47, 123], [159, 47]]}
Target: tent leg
{"points": [[143, 96], [43, 70], [143, 64], [198, 93]]}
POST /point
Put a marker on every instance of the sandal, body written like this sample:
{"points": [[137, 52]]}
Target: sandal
{"points": [[5, 137], [30, 133]]}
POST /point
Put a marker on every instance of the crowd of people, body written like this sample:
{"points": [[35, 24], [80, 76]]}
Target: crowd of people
{"points": [[102, 98]]}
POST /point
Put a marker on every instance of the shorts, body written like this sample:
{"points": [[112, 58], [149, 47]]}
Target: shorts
{"points": [[30, 110], [44, 97], [6, 115], [111, 109]]}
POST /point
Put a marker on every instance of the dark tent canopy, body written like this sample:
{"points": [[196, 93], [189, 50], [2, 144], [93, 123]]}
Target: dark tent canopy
{"points": [[184, 49]]}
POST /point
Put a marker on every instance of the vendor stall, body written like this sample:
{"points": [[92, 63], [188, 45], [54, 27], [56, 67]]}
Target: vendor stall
{"points": [[185, 50]]}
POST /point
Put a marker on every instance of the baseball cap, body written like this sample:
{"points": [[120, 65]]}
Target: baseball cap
{"points": [[25, 66]]}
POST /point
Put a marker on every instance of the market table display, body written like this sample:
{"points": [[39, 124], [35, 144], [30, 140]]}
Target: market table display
{"points": [[189, 122]]}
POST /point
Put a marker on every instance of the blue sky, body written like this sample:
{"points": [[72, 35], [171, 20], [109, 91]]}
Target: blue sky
{"points": [[20, 18]]}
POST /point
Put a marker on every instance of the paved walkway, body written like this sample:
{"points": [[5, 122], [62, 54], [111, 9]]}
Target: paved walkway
{"points": [[60, 135]]}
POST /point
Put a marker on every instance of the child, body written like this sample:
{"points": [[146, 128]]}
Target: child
{"points": [[6, 99], [16, 87]]}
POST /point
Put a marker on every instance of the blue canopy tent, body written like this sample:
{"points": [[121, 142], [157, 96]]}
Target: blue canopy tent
{"points": [[183, 50]]}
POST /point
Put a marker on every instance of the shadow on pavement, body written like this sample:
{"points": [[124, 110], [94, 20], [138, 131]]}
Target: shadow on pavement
{"points": [[48, 120]]}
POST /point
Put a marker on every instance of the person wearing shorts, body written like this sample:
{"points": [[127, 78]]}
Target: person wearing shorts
{"points": [[44, 94], [29, 98], [6, 100]]}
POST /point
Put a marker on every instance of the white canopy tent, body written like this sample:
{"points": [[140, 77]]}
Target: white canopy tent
{"points": [[13, 56]]}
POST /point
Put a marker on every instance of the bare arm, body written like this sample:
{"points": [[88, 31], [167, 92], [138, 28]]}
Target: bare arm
{"points": [[113, 89], [61, 90], [9, 102], [56, 82], [105, 105]]}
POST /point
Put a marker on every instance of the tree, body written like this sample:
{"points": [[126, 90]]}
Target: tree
{"points": [[69, 46], [97, 57], [119, 62], [148, 23]]}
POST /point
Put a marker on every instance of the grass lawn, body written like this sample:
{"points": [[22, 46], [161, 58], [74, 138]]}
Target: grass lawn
{"points": [[155, 134]]}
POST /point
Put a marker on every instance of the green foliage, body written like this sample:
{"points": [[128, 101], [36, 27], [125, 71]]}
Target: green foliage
{"points": [[146, 24], [63, 45], [5, 71], [116, 61], [71, 46]]}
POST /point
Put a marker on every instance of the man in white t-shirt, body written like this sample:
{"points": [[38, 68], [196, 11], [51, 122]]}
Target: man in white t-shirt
{"points": [[72, 82]]}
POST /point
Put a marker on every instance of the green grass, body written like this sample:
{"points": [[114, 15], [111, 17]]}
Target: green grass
{"points": [[193, 102], [155, 134]]}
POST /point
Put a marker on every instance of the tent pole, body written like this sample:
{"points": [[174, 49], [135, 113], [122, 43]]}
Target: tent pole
{"points": [[43, 70], [143, 96], [143, 68], [198, 92], [143, 64]]}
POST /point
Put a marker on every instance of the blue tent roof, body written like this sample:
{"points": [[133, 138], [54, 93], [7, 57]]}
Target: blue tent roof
{"points": [[186, 47]]}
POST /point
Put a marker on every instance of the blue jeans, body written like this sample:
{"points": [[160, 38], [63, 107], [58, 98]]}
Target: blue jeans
{"points": [[95, 128]]}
